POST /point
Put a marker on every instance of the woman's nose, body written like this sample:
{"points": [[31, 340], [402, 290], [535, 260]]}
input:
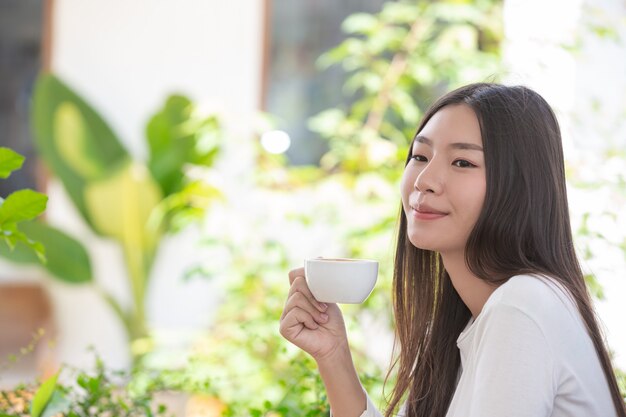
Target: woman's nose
{"points": [[429, 179]]}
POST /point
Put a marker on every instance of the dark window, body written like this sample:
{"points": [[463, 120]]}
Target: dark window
{"points": [[20, 38], [300, 31]]}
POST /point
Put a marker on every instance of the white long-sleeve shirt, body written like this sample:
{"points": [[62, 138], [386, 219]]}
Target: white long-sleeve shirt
{"points": [[527, 354]]}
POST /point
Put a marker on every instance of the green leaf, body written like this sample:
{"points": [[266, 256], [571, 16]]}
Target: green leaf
{"points": [[178, 136], [594, 286], [185, 207], [388, 38], [12, 236], [67, 259], [401, 13], [22, 205], [364, 23], [340, 54], [121, 204], [9, 161], [43, 396], [73, 139], [327, 122], [169, 144], [59, 404]]}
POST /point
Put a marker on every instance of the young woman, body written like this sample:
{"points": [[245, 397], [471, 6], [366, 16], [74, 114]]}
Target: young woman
{"points": [[493, 318]]}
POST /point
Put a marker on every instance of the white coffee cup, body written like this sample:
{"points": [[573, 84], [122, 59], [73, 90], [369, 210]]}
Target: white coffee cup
{"points": [[340, 280]]}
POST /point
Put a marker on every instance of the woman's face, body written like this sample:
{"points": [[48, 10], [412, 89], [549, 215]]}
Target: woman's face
{"points": [[443, 185]]}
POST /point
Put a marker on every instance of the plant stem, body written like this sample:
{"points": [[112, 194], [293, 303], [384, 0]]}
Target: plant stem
{"points": [[138, 263]]}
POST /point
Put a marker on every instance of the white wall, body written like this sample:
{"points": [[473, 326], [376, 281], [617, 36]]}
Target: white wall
{"points": [[124, 58], [573, 81]]}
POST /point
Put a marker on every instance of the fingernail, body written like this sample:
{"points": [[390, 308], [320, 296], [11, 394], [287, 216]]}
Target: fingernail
{"points": [[324, 316], [323, 306]]}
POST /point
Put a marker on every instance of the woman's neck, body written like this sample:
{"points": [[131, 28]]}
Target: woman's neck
{"points": [[473, 291]]}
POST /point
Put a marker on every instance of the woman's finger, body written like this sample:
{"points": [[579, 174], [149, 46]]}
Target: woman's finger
{"points": [[299, 300], [299, 285], [294, 322], [298, 272]]}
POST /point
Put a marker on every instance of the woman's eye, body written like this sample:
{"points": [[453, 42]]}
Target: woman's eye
{"points": [[462, 163], [420, 158]]}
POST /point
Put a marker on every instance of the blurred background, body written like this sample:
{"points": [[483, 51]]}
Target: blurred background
{"points": [[193, 152]]}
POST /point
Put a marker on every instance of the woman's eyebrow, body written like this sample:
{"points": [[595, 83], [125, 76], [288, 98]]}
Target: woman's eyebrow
{"points": [[422, 139], [456, 145]]}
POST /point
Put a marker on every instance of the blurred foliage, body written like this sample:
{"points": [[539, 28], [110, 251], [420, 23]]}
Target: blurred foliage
{"points": [[243, 361], [598, 192], [18, 208], [66, 257], [118, 197], [621, 381], [398, 60], [99, 392], [597, 174], [25, 351]]}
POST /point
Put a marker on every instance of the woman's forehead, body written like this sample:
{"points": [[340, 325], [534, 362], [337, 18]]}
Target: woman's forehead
{"points": [[452, 124]]}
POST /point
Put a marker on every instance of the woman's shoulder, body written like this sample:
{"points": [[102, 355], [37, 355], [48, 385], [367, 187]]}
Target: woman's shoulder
{"points": [[534, 308], [534, 287], [531, 285], [539, 297]]}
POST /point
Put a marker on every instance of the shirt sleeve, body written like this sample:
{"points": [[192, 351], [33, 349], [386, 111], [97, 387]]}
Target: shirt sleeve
{"points": [[370, 410], [513, 367]]}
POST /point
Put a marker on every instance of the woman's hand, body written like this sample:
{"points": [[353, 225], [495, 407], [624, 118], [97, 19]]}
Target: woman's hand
{"points": [[314, 327], [319, 330]]}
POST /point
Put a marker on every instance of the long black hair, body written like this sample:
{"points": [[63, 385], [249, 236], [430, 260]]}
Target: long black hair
{"points": [[523, 227]]}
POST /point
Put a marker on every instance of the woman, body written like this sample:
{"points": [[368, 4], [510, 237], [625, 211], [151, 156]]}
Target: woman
{"points": [[493, 318]]}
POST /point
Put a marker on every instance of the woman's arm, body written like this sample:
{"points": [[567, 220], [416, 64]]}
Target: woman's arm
{"points": [[319, 330], [345, 393]]}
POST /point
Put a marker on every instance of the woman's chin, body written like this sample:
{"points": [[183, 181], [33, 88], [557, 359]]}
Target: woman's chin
{"points": [[422, 244]]}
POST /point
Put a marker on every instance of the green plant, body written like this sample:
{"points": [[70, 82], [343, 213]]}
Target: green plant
{"points": [[101, 392], [19, 207], [118, 197], [621, 381], [24, 351], [398, 61], [243, 361], [596, 175]]}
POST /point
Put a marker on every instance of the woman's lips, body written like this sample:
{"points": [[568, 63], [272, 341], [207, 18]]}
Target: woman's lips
{"points": [[427, 214]]}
